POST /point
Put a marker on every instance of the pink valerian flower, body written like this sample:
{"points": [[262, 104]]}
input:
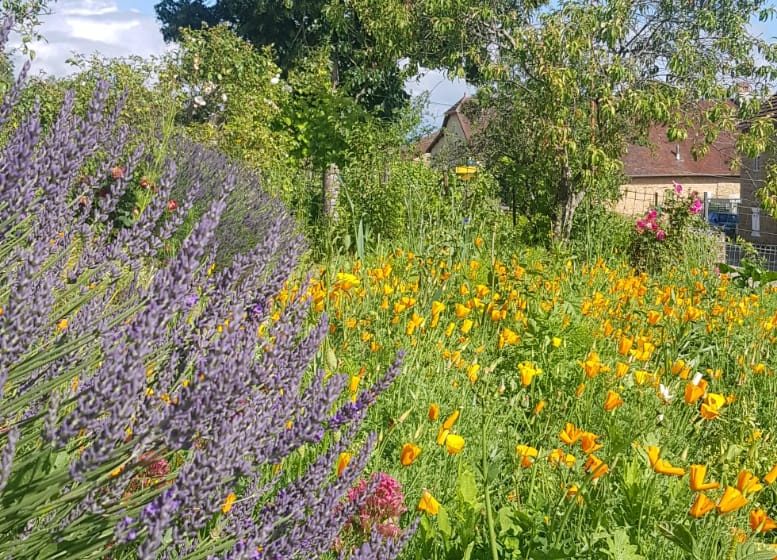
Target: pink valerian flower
{"points": [[696, 206], [381, 509], [660, 234], [652, 214], [678, 187], [641, 226]]}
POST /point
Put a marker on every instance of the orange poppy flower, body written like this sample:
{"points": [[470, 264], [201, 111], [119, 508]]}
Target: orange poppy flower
{"points": [[451, 420], [664, 467], [760, 522], [428, 504], [693, 392], [570, 434], [409, 454], [588, 443], [596, 467], [612, 401], [527, 454], [697, 475], [771, 476], [434, 411], [702, 505], [747, 483]]}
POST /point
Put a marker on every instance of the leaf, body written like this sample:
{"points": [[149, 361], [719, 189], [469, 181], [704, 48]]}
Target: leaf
{"points": [[331, 358], [753, 551], [507, 521], [620, 547], [680, 536], [467, 489], [468, 551], [444, 524]]}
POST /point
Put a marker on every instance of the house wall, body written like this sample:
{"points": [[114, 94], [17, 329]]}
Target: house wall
{"points": [[452, 141], [753, 176], [640, 193]]}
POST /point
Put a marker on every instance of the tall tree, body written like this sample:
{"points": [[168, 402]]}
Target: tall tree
{"points": [[295, 28], [570, 90]]}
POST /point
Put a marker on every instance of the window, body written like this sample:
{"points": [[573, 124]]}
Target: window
{"points": [[756, 222]]}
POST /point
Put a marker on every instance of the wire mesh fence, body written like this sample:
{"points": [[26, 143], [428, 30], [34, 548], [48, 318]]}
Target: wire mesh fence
{"points": [[748, 230], [767, 254]]}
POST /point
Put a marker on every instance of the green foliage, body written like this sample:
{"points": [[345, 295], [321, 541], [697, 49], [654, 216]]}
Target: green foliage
{"points": [[598, 232], [27, 18], [293, 29], [233, 95]]}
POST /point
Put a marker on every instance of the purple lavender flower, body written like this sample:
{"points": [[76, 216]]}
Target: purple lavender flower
{"points": [[173, 407]]}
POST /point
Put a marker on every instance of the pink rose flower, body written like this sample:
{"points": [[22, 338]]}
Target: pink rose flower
{"points": [[678, 188], [660, 235]]}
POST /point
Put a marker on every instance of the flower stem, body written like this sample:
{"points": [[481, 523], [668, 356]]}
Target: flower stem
{"points": [[489, 511]]}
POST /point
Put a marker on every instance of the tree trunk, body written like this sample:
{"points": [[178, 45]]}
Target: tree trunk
{"points": [[567, 202]]}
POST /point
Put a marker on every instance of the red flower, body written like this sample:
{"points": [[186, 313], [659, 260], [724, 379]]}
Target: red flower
{"points": [[172, 205]]}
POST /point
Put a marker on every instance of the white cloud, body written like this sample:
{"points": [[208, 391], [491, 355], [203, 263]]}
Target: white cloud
{"points": [[93, 26], [443, 92]]}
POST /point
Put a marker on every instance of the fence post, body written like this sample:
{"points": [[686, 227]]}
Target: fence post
{"points": [[331, 191], [706, 206], [655, 199]]}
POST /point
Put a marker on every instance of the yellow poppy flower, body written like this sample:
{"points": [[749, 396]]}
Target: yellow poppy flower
{"points": [[526, 454], [228, 502], [731, 500], [342, 462], [454, 444], [428, 504]]}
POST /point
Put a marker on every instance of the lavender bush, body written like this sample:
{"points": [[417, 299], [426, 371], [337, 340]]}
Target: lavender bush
{"points": [[150, 408]]}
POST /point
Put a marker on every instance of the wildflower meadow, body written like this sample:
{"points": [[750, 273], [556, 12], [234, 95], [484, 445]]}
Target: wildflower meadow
{"points": [[250, 310]]}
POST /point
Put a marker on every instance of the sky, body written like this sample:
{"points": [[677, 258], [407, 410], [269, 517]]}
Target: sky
{"points": [[129, 27]]}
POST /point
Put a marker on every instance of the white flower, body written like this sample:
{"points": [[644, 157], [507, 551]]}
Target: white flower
{"points": [[199, 101], [666, 396], [659, 419], [697, 378], [224, 97], [275, 80]]}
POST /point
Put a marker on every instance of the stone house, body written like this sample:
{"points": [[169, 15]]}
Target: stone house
{"points": [[650, 169]]}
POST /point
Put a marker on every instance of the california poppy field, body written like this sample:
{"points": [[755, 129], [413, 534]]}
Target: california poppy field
{"points": [[553, 409]]}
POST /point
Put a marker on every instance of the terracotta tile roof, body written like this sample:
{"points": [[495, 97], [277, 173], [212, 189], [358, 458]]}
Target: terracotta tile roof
{"points": [[458, 109], [424, 145], [659, 159]]}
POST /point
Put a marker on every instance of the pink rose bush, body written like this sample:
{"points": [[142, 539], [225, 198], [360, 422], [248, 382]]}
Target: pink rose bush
{"points": [[660, 233]]}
